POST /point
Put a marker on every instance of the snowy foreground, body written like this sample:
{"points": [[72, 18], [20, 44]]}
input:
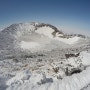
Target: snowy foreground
{"points": [[25, 80], [36, 56]]}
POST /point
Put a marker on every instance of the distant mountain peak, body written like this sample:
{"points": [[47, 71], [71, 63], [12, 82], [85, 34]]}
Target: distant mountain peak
{"points": [[38, 34], [33, 26]]}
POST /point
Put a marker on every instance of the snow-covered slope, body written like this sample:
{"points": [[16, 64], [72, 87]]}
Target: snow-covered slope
{"points": [[39, 81], [38, 56], [35, 35]]}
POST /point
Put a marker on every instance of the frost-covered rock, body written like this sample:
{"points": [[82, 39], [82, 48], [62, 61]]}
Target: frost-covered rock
{"points": [[20, 77], [40, 82]]}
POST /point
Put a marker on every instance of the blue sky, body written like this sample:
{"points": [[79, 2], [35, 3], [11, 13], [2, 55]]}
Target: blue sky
{"points": [[68, 15]]}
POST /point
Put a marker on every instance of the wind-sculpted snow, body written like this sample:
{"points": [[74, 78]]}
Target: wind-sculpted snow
{"points": [[27, 81]]}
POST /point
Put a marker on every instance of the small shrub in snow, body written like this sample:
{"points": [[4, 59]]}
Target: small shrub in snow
{"points": [[39, 60], [56, 69], [72, 55], [15, 60]]}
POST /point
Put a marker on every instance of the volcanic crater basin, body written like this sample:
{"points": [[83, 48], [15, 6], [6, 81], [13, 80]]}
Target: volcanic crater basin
{"points": [[38, 56]]}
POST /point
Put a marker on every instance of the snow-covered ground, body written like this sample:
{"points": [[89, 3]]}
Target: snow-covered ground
{"points": [[47, 31], [72, 40], [24, 79], [29, 45], [36, 57], [33, 75]]}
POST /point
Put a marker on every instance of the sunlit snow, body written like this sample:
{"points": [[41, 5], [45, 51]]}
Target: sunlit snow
{"points": [[29, 45]]}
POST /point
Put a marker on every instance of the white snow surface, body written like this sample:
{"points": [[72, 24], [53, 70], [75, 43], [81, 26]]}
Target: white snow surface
{"points": [[85, 57], [25, 80], [29, 45], [72, 40], [47, 31]]}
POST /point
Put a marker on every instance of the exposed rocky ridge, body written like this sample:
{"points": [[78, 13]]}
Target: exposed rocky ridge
{"points": [[14, 27]]}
